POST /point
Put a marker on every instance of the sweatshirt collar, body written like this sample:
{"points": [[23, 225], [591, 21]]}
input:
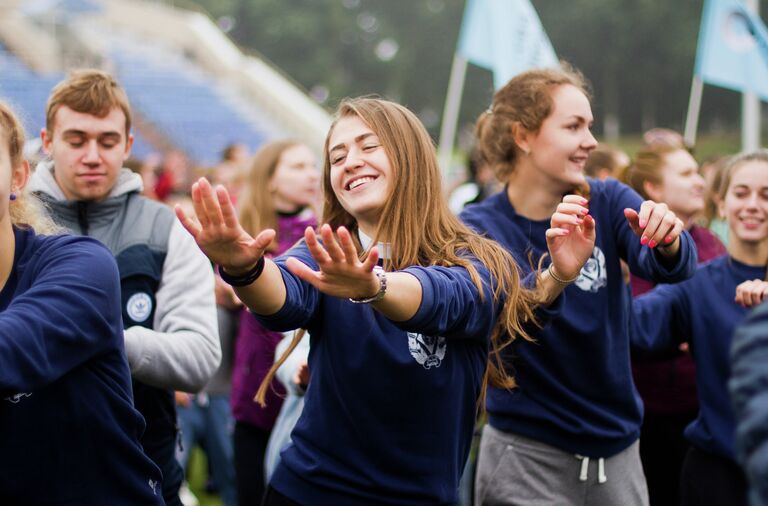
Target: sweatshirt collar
{"points": [[385, 250]]}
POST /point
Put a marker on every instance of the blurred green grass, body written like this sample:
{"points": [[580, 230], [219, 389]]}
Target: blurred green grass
{"points": [[198, 476]]}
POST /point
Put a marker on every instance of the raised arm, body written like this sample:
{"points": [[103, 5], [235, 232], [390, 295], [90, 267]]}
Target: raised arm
{"points": [[220, 236], [342, 274]]}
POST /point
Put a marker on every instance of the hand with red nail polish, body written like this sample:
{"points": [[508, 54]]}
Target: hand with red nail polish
{"points": [[657, 226], [571, 236]]}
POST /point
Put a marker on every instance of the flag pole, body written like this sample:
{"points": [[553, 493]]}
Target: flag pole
{"points": [[750, 106], [451, 111], [694, 108]]}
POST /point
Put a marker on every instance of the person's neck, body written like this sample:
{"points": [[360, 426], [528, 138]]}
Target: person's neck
{"points": [[7, 252], [369, 230], [749, 253], [531, 197], [287, 208]]}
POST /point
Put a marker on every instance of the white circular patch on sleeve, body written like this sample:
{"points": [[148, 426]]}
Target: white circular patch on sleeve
{"points": [[139, 307]]}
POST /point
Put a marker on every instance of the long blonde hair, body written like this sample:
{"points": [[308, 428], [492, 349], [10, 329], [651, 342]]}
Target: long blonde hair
{"points": [[421, 228], [26, 210], [257, 207]]}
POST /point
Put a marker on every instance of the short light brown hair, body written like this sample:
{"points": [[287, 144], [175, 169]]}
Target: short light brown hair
{"points": [[88, 91]]}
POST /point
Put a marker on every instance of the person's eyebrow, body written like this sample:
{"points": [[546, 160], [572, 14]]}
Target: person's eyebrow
{"points": [[357, 139]]}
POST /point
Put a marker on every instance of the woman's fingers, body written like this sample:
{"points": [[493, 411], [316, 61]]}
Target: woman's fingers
{"points": [[560, 219], [331, 245], [263, 240], [751, 293], [302, 271], [551, 233], [211, 206], [575, 199], [347, 245], [633, 219], [227, 209], [574, 209], [371, 260], [197, 204], [189, 224], [315, 248]]}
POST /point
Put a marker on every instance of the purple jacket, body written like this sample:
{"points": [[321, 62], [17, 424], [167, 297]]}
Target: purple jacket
{"points": [[667, 382], [255, 346]]}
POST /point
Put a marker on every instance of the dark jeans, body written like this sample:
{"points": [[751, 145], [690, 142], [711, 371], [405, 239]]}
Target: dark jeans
{"points": [[250, 447], [711, 480], [662, 452]]}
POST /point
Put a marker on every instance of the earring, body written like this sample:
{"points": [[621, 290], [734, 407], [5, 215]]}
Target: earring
{"points": [[13, 196]]}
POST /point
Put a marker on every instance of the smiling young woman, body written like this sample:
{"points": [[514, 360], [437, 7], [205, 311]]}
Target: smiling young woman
{"points": [[536, 135], [704, 311], [400, 352], [666, 381]]}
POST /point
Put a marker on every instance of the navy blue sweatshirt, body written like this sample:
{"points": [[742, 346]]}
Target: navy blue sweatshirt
{"points": [[68, 431], [702, 308], [390, 410], [575, 388]]}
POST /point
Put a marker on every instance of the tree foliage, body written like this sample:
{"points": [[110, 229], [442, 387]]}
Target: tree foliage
{"points": [[638, 54]]}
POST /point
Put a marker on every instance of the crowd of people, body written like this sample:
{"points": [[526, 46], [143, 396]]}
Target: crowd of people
{"points": [[336, 333]]}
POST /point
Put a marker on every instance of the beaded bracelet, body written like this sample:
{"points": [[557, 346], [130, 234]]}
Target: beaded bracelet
{"points": [[247, 278], [551, 271]]}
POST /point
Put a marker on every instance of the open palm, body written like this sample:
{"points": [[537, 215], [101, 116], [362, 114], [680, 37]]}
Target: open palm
{"points": [[218, 232]]}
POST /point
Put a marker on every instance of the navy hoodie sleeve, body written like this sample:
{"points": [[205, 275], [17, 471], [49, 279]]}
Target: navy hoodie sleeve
{"points": [[749, 393], [660, 317], [450, 303], [301, 298], [69, 314], [642, 260]]}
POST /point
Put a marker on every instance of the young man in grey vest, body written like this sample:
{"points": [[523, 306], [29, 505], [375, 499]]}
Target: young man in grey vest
{"points": [[169, 312]]}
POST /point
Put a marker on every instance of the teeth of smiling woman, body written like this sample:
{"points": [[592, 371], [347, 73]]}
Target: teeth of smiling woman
{"points": [[357, 182]]}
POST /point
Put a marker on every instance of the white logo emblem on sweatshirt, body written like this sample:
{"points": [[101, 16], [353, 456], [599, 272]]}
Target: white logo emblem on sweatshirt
{"points": [[593, 276], [429, 351], [139, 307], [17, 397]]}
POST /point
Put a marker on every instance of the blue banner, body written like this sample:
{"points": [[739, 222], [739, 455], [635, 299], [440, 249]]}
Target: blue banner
{"points": [[505, 37], [733, 48]]}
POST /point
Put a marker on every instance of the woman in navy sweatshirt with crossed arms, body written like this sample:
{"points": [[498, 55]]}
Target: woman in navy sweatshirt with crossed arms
{"points": [[705, 310], [69, 433], [399, 355]]}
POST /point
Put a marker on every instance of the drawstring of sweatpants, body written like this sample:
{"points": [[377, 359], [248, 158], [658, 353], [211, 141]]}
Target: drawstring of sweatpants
{"points": [[584, 474]]}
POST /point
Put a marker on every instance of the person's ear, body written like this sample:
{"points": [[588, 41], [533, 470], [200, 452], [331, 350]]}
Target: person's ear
{"points": [[128, 145], [522, 137], [47, 138], [20, 177]]}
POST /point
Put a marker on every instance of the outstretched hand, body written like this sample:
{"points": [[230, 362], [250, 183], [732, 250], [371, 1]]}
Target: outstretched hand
{"points": [[656, 226], [751, 293], [341, 273], [218, 232], [571, 236]]}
